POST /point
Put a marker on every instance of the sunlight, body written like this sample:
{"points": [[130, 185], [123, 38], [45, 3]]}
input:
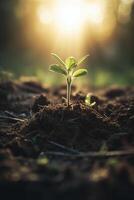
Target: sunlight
{"points": [[44, 15], [95, 12], [69, 16]]}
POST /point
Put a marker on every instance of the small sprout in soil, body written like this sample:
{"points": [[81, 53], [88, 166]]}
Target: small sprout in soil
{"points": [[88, 100], [42, 161], [68, 69], [104, 148]]}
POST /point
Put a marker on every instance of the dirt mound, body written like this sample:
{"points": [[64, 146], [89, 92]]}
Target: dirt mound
{"points": [[77, 127], [50, 151]]}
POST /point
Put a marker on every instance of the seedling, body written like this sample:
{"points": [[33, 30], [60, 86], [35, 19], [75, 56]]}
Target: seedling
{"points": [[68, 69], [88, 100]]}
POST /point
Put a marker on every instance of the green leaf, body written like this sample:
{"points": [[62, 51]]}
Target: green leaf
{"points": [[70, 63], [88, 100], [57, 69], [80, 72], [58, 59], [82, 59], [89, 103], [88, 97], [93, 104]]}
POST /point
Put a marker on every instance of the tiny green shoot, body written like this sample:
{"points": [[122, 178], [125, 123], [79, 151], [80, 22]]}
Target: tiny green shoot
{"points": [[88, 100], [68, 68]]}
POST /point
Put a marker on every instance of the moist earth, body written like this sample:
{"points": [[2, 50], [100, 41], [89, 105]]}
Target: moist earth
{"points": [[51, 151]]}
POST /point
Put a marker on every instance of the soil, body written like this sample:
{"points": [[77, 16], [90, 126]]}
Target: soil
{"points": [[50, 151]]}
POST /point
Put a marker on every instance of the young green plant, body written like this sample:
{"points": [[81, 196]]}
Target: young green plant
{"points": [[68, 68], [88, 100]]}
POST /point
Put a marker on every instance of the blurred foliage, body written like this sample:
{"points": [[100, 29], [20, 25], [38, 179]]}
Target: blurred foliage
{"points": [[25, 48]]}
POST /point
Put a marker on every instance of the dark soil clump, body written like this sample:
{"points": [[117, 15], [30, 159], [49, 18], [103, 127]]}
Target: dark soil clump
{"points": [[77, 127], [50, 151], [39, 103]]}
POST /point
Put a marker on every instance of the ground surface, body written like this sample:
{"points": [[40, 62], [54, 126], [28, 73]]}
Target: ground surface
{"points": [[49, 151]]}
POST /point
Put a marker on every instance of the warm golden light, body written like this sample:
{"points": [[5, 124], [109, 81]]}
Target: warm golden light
{"points": [[44, 15], [69, 16], [95, 12]]}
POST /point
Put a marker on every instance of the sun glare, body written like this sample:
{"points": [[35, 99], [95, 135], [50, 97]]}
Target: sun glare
{"points": [[69, 16], [95, 12], [44, 15]]}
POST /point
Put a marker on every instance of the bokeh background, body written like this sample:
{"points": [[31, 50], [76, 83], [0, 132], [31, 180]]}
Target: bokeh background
{"points": [[31, 29]]}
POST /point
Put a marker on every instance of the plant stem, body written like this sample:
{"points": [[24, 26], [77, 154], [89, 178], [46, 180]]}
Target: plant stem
{"points": [[68, 91]]}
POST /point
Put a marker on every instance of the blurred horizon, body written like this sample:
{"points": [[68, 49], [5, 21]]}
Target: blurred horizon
{"points": [[32, 29]]}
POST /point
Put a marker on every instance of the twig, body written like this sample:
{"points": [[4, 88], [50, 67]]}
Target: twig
{"points": [[107, 154], [12, 118], [99, 114], [64, 147], [10, 114]]}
